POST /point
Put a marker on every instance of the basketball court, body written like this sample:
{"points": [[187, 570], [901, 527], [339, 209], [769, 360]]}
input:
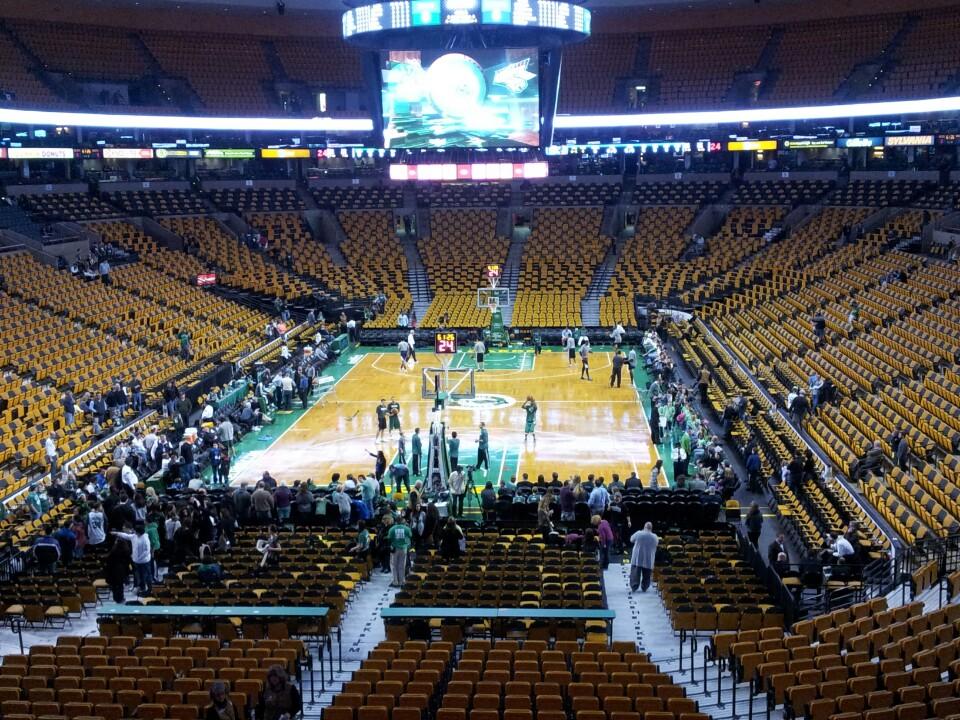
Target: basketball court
{"points": [[582, 426]]}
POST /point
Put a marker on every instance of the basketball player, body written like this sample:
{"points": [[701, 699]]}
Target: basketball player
{"points": [[585, 359], [571, 346], [393, 413], [616, 367], [410, 342], [480, 350], [483, 448], [530, 427], [381, 419], [404, 347]]}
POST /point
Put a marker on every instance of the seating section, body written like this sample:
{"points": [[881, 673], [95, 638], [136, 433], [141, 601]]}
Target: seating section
{"points": [[942, 197], [707, 584], [813, 58], [510, 681], [659, 262], [65, 48], [697, 192], [271, 199], [461, 244], [480, 194], [17, 78], [241, 267], [355, 197], [564, 248], [696, 68], [925, 61], [384, 270], [324, 61], [883, 361], [316, 572], [159, 202], [591, 70], [827, 506], [505, 570], [73, 206], [658, 242], [230, 73], [78, 342], [289, 238], [572, 194], [879, 193], [123, 676], [864, 661], [781, 192]]}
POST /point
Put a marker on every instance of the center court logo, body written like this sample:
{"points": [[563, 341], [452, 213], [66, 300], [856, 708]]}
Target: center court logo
{"points": [[484, 402]]}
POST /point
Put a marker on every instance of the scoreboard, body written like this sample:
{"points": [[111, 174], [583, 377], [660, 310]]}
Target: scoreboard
{"points": [[406, 14]]}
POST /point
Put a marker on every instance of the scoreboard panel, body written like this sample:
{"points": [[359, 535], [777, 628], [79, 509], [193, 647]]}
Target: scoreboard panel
{"points": [[405, 14]]}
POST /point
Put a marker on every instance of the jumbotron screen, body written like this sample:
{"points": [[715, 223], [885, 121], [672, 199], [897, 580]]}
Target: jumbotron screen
{"points": [[474, 98]]}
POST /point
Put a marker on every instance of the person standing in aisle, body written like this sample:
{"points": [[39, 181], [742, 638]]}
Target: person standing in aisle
{"points": [[399, 536], [416, 448], [530, 426], [754, 524], [616, 368], [643, 557], [381, 419], [480, 350], [483, 447], [585, 359]]}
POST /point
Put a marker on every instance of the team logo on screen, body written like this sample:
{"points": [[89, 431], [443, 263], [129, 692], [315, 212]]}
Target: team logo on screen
{"points": [[514, 77]]}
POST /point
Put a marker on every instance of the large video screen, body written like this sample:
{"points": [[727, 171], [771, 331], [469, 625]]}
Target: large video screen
{"points": [[474, 98]]}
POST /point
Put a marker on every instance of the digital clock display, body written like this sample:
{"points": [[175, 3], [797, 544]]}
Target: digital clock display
{"points": [[445, 343]]}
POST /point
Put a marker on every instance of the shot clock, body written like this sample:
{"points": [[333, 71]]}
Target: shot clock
{"points": [[445, 343]]}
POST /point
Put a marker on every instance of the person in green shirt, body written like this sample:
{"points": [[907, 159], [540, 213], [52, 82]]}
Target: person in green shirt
{"points": [[184, 337], [483, 446], [361, 548], [399, 536], [530, 426]]}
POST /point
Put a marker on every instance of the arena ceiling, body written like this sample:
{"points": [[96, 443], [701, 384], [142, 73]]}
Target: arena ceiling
{"points": [[270, 6]]}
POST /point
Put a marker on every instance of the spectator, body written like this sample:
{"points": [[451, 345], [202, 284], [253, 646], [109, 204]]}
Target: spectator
{"points": [[488, 502], [282, 499], [280, 699], [269, 548], [262, 503], [221, 707], [117, 568], [643, 557], [47, 551], [604, 538], [452, 540], [754, 524], [400, 536], [141, 553]]}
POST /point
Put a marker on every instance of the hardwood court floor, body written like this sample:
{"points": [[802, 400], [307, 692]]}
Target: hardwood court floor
{"points": [[582, 426]]}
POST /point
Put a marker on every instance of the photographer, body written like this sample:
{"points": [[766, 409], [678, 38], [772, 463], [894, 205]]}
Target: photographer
{"points": [[458, 489]]}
